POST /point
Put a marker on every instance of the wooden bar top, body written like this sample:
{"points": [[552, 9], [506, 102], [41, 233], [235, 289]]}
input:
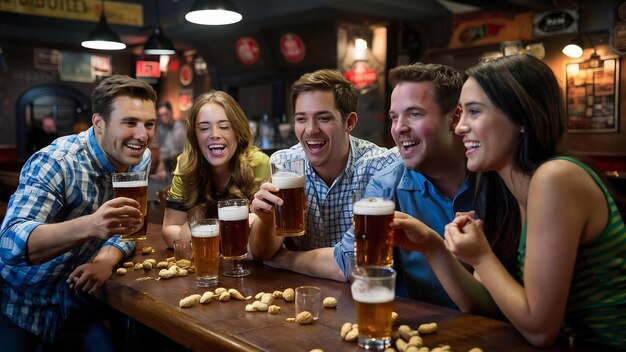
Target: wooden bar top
{"points": [[221, 326]]}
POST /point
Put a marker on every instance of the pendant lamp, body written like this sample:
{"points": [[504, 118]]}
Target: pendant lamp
{"points": [[213, 12], [158, 43], [103, 37]]}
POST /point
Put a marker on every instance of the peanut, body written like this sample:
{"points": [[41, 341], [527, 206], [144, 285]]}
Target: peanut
{"points": [[304, 318], [412, 349], [151, 261], [236, 294], [427, 328], [219, 290], [442, 348], [250, 308], [260, 306], [162, 265], [138, 266], [352, 335], [401, 345], [345, 328], [166, 273], [120, 271], [183, 263], [187, 302], [224, 297], [267, 298], [330, 302], [259, 295], [416, 341], [273, 309], [147, 250], [394, 316], [147, 265], [206, 297], [406, 332], [289, 295], [196, 297], [277, 294], [128, 264], [170, 259], [182, 272]]}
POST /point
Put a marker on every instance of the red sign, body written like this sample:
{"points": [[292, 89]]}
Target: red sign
{"points": [[361, 75], [247, 50], [150, 69], [292, 47]]}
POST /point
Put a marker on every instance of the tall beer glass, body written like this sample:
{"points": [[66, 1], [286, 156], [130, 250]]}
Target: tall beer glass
{"points": [[373, 291], [234, 231], [373, 238], [133, 185], [205, 244], [289, 177]]}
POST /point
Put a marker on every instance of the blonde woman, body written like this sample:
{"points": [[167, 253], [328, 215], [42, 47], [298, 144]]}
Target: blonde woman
{"points": [[219, 161]]}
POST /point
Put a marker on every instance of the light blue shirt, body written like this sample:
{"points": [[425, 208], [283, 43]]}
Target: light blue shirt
{"points": [[68, 179], [330, 208], [415, 195]]}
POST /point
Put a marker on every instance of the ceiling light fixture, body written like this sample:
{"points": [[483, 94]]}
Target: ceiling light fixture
{"points": [[103, 37], [574, 49], [213, 12], [158, 43]]}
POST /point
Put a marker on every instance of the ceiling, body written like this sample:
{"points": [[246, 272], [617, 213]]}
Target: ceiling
{"points": [[257, 15]]}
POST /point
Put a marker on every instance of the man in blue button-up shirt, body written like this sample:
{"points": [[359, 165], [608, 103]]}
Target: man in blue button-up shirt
{"points": [[431, 183], [58, 239]]}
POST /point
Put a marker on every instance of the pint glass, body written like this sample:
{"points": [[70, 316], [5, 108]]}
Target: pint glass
{"points": [[133, 185], [373, 238], [289, 177], [373, 291], [205, 244], [235, 231]]}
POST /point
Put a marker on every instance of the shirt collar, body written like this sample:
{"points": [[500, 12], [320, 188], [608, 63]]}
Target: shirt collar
{"points": [[98, 153], [412, 180]]}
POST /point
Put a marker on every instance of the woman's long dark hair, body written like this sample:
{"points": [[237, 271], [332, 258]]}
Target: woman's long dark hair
{"points": [[526, 90]]}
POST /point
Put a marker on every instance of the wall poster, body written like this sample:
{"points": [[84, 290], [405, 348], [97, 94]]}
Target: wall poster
{"points": [[592, 93]]}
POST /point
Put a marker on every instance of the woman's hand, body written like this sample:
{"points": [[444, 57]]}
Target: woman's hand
{"points": [[465, 239]]}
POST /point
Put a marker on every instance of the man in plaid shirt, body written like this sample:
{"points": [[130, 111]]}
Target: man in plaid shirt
{"points": [[336, 165], [58, 240]]}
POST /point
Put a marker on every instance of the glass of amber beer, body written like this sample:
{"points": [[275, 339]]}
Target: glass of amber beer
{"points": [[133, 185], [373, 238], [289, 177], [205, 244], [234, 231], [373, 291]]}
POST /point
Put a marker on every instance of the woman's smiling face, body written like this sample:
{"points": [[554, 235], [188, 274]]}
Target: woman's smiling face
{"points": [[216, 137]]}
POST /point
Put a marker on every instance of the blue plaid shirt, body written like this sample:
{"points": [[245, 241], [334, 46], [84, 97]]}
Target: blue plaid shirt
{"points": [[68, 179], [330, 208]]}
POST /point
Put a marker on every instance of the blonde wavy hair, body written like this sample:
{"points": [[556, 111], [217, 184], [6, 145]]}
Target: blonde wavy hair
{"points": [[195, 172]]}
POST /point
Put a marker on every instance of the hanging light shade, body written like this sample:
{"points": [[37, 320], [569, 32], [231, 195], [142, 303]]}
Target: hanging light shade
{"points": [[103, 37], [213, 12], [575, 48], [158, 44]]}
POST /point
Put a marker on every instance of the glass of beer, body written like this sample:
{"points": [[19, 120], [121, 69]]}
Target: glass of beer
{"points": [[205, 244], [289, 177], [234, 231], [133, 185], [373, 291], [373, 238]]}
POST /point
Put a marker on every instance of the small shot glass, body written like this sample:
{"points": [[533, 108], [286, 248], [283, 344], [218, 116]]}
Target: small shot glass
{"points": [[308, 298]]}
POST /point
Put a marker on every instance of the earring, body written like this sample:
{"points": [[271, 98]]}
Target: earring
{"points": [[522, 130]]}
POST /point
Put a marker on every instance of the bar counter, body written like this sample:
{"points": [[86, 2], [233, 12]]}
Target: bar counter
{"points": [[221, 326]]}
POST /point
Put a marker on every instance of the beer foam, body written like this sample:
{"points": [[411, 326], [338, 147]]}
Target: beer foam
{"points": [[233, 213], [374, 206], [130, 184], [378, 294], [205, 231], [286, 180]]}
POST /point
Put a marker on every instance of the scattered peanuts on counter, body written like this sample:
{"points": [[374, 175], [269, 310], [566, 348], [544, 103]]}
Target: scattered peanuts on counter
{"points": [[128, 264], [120, 271], [236, 294], [138, 266], [426, 329], [277, 294], [224, 297], [162, 265], [147, 250], [183, 263], [267, 298], [330, 302], [206, 297]]}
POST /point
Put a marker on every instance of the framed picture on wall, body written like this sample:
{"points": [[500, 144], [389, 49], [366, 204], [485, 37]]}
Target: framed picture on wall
{"points": [[592, 95]]}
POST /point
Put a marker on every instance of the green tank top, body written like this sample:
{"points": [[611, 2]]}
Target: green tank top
{"points": [[596, 305]]}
